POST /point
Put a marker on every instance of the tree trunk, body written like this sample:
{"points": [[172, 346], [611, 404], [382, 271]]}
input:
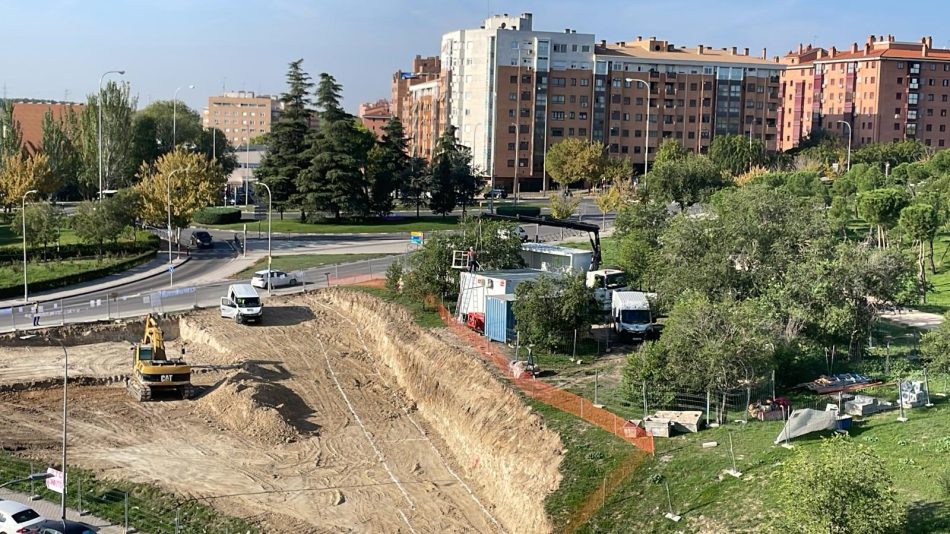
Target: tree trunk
{"points": [[921, 272], [933, 268]]}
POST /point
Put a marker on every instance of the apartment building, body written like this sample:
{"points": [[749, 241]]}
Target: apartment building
{"points": [[375, 115], [512, 92], [29, 116], [242, 115], [885, 91], [417, 101]]}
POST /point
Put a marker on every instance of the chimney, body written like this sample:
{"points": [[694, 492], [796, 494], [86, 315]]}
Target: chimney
{"points": [[808, 48], [890, 38], [567, 30], [800, 48], [699, 49], [930, 41], [765, 54], [733, 51], [603, 43], [867, 49], [653, 38], [639, 38], [854, 48], [746, 51]]}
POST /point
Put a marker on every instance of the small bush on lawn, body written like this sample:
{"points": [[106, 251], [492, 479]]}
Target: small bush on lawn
{"points": [[217, 216]]}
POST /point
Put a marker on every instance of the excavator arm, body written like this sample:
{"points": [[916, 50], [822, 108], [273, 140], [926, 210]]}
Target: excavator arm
{"points": [[153, 336], [591, 229]]}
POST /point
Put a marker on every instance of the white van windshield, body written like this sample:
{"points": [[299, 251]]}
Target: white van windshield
{"points": [[248, 302], [635, 316]]}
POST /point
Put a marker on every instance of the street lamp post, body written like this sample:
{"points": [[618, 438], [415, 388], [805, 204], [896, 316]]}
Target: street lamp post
{"points": [[65, 406], [270, 202], [848, 124], [175, 116], [26, 292], [646, 148], [32, 477], [514, 185], [168, 188], [99, 105]]}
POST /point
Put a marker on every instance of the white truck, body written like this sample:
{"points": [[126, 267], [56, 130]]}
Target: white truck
{"points": [[631, 314], [242, 304], [606, 282]]}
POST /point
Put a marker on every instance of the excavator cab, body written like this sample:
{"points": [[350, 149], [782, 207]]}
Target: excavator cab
{"points": [[153, 372]]}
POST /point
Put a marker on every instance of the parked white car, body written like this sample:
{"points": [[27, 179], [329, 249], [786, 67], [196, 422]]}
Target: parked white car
{"points": [[277, 279], [15, 517]]}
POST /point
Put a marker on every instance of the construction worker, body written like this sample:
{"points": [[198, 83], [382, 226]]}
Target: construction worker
{"points": [[472, 263]]}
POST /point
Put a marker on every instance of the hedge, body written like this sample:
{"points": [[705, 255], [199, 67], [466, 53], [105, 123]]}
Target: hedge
{"points": [[78, 278], [528, 211], [217, 216], [81, 250]]}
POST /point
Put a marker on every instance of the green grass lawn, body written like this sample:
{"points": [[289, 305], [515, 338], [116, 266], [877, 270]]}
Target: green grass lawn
{"points": [[297, 262], [424, 316], [10, 239], [938, 299], [12, 275], [402, 224]]}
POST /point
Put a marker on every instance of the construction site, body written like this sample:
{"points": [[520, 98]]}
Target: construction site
{"points": [[336, 414]]}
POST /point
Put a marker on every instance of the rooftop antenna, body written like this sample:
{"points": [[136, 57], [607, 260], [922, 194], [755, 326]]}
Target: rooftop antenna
{"points": [[66, 95], [224, 85]]}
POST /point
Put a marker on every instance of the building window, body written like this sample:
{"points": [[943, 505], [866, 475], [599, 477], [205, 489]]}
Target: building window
{"points": [[511, 163], [523, 162], [897, 126], [558, 82], [585, 82], [900, 65], [636, 149], [511, 146], [570, 132], [511, 113], [912, 98], [942, 127], [557, 115], [513, 79], [511, 130], [512, 96], [624, 149], [582, 132], [625, 133], [900, 81], [897, 96], [582, 115], [930, 97]]}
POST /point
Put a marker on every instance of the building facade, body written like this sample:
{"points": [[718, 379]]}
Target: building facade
{"points": [[416, 100], [29, 116], [512, 92], [375, 115], [242, 115], [885, 91]]}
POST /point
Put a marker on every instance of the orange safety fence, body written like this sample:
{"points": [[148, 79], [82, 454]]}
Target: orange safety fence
{"points": [[550, 394]]}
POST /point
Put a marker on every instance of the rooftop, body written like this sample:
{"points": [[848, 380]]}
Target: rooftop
{"points": [[875, 47], [660, 50]]}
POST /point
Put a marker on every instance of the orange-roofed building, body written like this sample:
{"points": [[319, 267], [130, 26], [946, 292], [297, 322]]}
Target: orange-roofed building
{"points": [[30, 116]]}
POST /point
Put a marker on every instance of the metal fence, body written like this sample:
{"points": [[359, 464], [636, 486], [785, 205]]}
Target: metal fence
{"points": [[717, 405], [118, 305]]}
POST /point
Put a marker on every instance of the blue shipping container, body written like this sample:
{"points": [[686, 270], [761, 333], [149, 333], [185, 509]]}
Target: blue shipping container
{"points": [[499, 317]]}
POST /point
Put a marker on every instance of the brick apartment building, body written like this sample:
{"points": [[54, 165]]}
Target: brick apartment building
{"points": [[375, 115], [512, 92], [242, 115], [885, 90], [29, 115]]}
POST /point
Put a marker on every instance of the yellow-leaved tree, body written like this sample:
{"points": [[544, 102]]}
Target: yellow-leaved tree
{"points": [[189, 179], [22, 173]]}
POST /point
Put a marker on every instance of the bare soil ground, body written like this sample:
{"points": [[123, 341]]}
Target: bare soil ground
{"points": [[315, 432]]}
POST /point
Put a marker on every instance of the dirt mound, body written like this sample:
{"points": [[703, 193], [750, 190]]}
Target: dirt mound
{"points": [[497, 440], [250, 407]]}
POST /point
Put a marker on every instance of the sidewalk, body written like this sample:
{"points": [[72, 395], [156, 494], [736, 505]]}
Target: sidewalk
{"points": [[51, 510], [146, 270], [914, 318]]}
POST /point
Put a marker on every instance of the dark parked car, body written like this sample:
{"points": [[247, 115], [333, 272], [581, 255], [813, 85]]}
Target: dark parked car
{"points": [[201, 239], [55, 526], [496, 193]]}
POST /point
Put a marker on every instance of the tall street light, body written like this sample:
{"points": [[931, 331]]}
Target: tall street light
{"points": [[32, 477], [270, 203], [26, 292], [514, 185], [99, 105], [175, 116], [168, 187], [65, 407], [646, 148], [848, 124]]}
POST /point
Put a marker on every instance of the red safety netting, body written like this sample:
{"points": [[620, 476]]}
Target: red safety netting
{"points": [[549, 394]]}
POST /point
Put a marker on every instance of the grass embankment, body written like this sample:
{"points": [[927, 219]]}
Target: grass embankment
{"points": [[150, 509], [425, 316], [298, 262], [379, 226]]}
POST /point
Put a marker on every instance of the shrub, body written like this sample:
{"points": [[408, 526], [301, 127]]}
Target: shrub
{"points": [[217, 216], [394, 277]]}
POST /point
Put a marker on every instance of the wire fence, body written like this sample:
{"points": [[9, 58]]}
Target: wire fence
{"points": [[118, 305], [130, 507]]}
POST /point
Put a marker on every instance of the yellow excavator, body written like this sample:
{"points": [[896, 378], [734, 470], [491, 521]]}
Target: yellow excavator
{"points": [[153, 372]]}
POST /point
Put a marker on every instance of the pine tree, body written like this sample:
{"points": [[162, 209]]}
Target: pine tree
{"points": [[387, 168], [288, 141], [334, 182], [450, 175]]}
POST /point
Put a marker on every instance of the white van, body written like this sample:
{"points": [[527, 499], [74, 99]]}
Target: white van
{"points": [[242, 304], [632, 314]]}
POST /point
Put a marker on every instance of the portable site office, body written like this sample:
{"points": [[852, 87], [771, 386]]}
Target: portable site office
{"points": [[475, 287], [555, 258]]}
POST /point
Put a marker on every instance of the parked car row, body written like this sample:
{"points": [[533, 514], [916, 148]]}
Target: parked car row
{"points": [[18, 518]]}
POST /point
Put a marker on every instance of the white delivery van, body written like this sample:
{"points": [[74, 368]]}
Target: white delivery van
{"points": [[631, 314], [242, 304]]}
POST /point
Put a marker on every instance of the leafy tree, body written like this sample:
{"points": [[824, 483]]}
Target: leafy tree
{"points": [[753, 175], [60, 145], [837, 487], [548, 310], [879, 154], [162, 115], [736, 154], [670, 150], [118, 166], [11, 143], [43, 223], [920, 223], [286, 157], [607, 200], [637, 231], [839, 215], [216, 147], [798, 183], [882, 208], [417, 185], [387, 168], [93, 224], [193, 182], [334, 181], [935, 347], [574, 160], [22, 173], [124, 209], [685, 181], [563, 206], [708, 345], [939, 163]]}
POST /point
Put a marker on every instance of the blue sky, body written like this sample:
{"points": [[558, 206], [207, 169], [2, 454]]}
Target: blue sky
{"points": [[50, 47]]}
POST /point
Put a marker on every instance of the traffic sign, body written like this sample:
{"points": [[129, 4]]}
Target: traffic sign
{"points": [[56, 480], [415, 238]]}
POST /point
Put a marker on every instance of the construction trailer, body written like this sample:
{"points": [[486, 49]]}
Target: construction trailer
{"points": [[500, 318], [554, 258], [475, 287]]}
